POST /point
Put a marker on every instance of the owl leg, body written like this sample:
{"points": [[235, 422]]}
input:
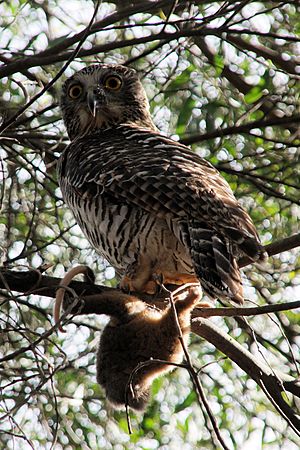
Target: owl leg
{"points": [[142, 279], [143, 276]]}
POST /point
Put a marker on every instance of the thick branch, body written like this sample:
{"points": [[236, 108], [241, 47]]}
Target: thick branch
{"points": [[272, 382], [33, 282], [231, 348], [276, 247]]}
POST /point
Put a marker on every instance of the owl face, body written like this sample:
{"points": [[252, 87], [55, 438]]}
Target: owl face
{"points": [[101, 96]]}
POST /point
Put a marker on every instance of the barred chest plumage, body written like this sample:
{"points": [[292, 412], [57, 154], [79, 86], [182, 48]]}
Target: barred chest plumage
{"points": [[122, 233]]}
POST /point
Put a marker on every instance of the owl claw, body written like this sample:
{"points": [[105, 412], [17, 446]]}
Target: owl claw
{"points": [[158, 278], [126, 285]]}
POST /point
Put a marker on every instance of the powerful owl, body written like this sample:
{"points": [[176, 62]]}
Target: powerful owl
{"points": [[149, 205]]}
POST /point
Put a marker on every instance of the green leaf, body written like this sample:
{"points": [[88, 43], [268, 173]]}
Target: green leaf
{"points": [[219, 63], [188, 401], [285, 397], [253, 95], [185, 115], [180, 80]]}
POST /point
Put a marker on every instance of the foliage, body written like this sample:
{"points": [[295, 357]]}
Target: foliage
{"points": [[221, 76]]}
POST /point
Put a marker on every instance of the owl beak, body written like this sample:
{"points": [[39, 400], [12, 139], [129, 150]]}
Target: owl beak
{"points": [[95, 99], [92, 103]]}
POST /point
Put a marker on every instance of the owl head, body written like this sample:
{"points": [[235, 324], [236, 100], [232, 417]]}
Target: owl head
{"points": [[103, 95]]}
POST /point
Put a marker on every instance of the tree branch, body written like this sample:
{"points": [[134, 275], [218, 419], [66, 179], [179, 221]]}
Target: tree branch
{"points": [[42, 60], [221, 132], [236, 79], [272, 382], [282, 245], [288, 66], [53, 53], [284, 37], [252, 311]]}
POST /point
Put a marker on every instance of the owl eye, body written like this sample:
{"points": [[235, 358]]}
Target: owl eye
{"points": [[75, 91], [113, 83]]}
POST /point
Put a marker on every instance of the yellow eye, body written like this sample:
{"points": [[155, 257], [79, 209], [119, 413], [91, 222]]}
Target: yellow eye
{"points": [[75, 91], [113, 83]]}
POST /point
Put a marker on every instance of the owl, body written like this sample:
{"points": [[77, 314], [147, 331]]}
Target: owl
{"points": [[156, 211]]}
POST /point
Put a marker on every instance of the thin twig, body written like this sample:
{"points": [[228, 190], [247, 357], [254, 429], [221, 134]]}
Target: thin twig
{"points": [[195, 379], [73, 55]]}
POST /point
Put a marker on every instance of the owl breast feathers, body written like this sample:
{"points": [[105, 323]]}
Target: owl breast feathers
{"points": [[147, 204]]}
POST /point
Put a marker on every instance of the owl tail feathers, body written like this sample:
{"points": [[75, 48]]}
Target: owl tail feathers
{"points": [[253, 249], [216, 268], [247, 242]]}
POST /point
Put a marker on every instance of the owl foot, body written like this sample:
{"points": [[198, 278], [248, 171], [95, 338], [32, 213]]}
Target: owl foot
{"points": [[137, 280], [128, 285], [138, 277], [180, 279]]}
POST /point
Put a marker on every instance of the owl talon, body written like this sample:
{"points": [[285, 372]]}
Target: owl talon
{"points": [[126, 285], [158, 278], [152, 287]]}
